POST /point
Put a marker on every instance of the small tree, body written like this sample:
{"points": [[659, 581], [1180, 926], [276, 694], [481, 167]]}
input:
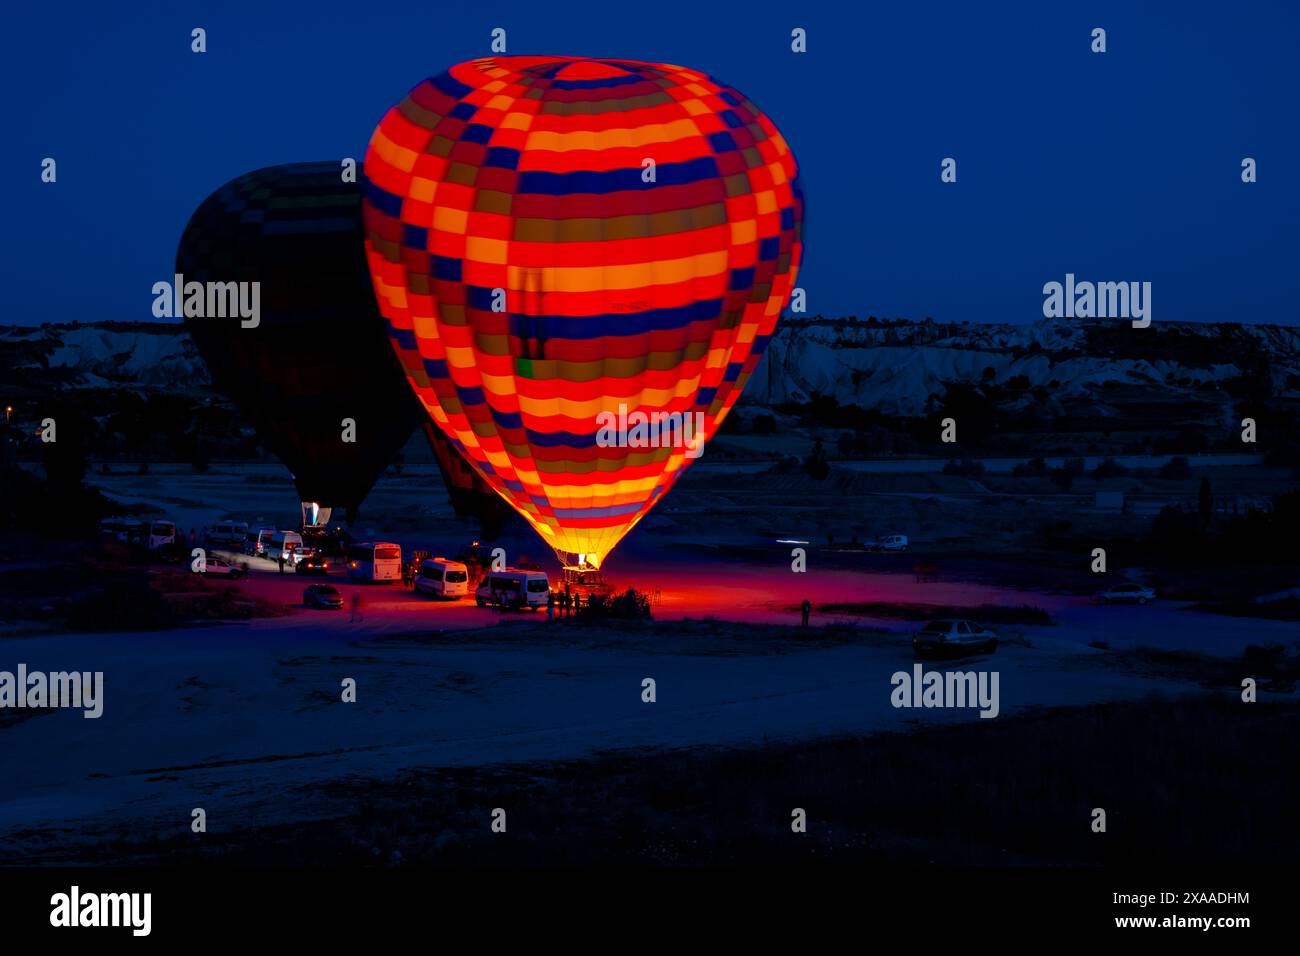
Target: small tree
{"points": [[815, 464], [1205, 503]]}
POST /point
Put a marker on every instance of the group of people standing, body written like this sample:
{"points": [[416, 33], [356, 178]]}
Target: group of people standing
{"points": [[563, 603]]}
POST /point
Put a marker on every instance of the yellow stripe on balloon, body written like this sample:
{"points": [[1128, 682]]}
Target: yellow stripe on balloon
{"points": [[490, 251], [659, 134], [393, 154], [639, 275], [603, 490], [649, 400]]}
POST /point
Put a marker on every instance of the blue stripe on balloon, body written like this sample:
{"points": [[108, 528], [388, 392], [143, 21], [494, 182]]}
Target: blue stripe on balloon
{"points": [[611, 511], [502, 157], [450, 85], [435, 368], [579, 327], [560, 440], [742, 279], [470, 395], [383, 200], [507, 419], [405, 338], [446, 268], [415, 237], [603, 84], [722, 142], [539, 182]]}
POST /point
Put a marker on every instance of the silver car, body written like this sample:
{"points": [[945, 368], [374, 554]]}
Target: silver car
{"points": [[218, 567], [1127, 594], [953, 637]]}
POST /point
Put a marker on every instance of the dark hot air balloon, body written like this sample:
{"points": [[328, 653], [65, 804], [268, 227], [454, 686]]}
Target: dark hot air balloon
{"points": [[318, 355]]}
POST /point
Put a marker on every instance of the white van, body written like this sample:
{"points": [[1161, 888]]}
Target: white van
{"points": [[286, 545], [227, 534], [439, 577], [511, 588], [161, 534], [118, 529], [255, 541]]}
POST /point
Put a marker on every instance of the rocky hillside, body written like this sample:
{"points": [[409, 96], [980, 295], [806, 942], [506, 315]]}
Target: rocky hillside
{"points": [[895, 367], [109, 355], [891, 366]]}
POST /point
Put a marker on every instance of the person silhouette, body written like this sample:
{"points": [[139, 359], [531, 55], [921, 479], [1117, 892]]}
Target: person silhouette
{"points": [[806, 608]]}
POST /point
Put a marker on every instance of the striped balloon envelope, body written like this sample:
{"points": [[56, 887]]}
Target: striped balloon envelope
{"points": [[556, 242]]}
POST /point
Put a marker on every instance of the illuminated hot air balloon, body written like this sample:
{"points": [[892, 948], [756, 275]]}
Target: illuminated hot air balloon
{"points": [[318, 354], [554, 240]]}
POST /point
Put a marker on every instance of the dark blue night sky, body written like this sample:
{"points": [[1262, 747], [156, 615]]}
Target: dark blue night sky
{"points": [[1122, 166]]}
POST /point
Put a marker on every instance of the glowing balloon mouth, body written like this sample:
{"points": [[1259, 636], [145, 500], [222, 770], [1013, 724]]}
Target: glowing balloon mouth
{"points": [[570, 561]]}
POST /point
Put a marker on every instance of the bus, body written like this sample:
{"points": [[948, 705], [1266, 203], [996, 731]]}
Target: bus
{"points": [[375, 561], [149, 534]]}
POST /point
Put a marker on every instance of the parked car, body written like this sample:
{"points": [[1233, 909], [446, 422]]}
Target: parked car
{"points": [[322, 596], [311, 564], [890, 542], [216, 566], [1127, 594], [953, 637]]}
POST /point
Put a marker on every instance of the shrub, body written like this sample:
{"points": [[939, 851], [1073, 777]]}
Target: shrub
{"points": [[631, 605], [126, 606], [816, 465], [1109, 468], [1034, 468]]}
